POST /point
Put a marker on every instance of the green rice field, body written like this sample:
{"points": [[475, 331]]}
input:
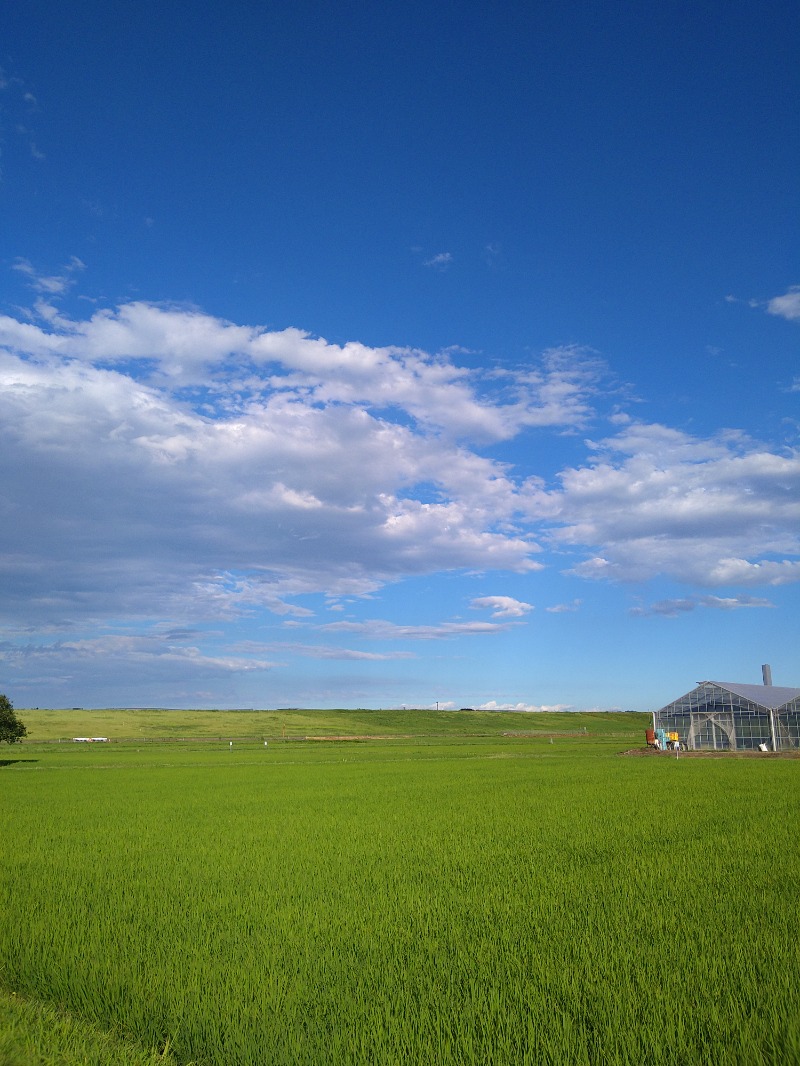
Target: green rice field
{"points": [[468, 889]]}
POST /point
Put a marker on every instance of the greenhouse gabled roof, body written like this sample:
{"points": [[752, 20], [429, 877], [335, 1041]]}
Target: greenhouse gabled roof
{"points": [[772, 696]]}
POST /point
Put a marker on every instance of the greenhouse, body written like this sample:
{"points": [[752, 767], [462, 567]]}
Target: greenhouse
{"points": [[721, 715]]}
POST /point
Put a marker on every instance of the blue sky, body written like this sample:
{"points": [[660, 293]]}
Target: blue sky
{"points": [[398, 355]]}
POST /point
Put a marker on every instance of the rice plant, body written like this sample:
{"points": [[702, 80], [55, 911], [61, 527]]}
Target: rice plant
{"points": [[484, 901]]}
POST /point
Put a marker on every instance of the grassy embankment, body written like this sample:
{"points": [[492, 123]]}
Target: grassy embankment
{"points": [[155, 723]]}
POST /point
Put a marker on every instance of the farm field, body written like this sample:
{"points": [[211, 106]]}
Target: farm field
{"points": [[446, 897]]}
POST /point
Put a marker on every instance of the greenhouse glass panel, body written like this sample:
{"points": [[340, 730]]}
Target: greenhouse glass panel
{"points": [[742, 717]]}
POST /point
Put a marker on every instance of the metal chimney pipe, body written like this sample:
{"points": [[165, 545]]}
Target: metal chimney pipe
{"points": [[766, 673]]}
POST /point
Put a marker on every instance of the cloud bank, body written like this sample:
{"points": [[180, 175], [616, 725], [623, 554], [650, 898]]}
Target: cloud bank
{"points": [[163, 469], [161, 461]]}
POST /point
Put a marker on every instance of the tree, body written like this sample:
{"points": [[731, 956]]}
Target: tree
{"points": [[11, 729]]}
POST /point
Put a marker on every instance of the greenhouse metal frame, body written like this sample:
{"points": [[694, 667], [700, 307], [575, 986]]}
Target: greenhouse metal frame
{"points": [[725, 716]]}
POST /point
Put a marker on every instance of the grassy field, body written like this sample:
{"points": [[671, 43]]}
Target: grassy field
{"points": [[448, 898]]}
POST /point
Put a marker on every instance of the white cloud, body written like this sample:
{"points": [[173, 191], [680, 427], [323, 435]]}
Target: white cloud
{"points": [[716, 511], [180, 348], [528, 708], [786, 306], [765, 572], [159, 462], [157, 506], [502, 606]]}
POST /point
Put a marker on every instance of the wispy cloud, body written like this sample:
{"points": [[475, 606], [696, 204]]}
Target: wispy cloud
{"points": [[21, 104], [440, 261], [378, 629], [561, 608], [673, 608], [332, 651], [147, 650], [50, 284], [492, 253]]}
